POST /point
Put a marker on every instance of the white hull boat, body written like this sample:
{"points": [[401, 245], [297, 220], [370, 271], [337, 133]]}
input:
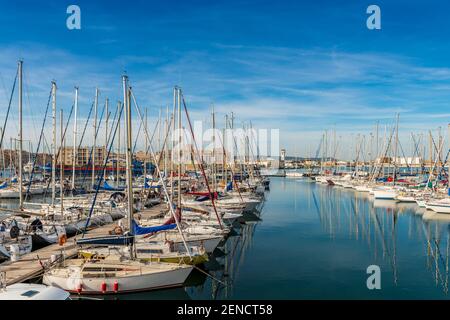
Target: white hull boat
{"points": [[115, 277], [439, 206]]}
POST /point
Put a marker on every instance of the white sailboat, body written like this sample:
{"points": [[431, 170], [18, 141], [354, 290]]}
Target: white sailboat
{"points": [[115, 274]]}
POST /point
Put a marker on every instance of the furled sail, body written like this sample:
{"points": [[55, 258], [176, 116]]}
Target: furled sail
{"points": [[122, 240], [138, 230]]}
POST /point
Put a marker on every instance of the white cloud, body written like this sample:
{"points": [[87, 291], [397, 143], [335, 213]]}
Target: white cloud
{"points": [[302, 92]]}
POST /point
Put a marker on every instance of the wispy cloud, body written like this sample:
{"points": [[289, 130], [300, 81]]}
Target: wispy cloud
{"points": [[300, 91]]}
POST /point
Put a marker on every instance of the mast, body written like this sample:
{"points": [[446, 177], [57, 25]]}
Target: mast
{"points": [[74, 153], [159, 129], [126, 99], [179, 149], [53, 142], [146, 148], [118, 144], [396, 149], [214, 150], [106, 123], [233, 146], [95, 137], [167, 145], [61, 164], [173, 140], [224, 174], [20, 137]]}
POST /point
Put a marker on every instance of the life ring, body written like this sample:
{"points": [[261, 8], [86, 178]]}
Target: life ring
{"points": [[62, 239]]}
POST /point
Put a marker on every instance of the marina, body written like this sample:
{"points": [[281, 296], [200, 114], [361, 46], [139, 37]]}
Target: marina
{"points": [[237, 152], [97, 232]]}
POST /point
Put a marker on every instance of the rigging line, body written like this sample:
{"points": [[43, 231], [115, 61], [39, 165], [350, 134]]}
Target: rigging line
{"points": [[9, 108], [150, 141], [169, 197], [439, 155], [110, 138], [432, 251], [191, 153], [201, 161], [160, 154], [403, 153], [154, 130], [113, 121], [137, 137], [92, 148], [61, 146], [82, 135], [5, 92], [388, 145], [231, 170], [27, 93], [38, 146], [105, 162]]}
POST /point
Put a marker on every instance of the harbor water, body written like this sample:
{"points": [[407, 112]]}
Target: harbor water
{"points": [[316, 241]]}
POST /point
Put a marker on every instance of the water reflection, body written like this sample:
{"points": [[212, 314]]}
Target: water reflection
{"points": [[376, 222], [316, 241]]}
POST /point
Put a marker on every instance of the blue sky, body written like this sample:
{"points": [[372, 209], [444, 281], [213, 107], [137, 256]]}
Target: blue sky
{"points": [[300, 66]]}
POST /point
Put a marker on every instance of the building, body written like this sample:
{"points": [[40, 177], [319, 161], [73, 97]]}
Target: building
{"points": [[83, 155]]}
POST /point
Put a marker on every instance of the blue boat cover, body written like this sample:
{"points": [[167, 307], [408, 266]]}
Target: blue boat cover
{"points": [[3, 185], [138, 230], [108, 240], [106, 186], [147, 186], [230, 186]]}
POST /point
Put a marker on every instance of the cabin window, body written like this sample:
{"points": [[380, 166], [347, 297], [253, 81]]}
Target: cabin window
{"points": [[149, 251], [30, 293]]}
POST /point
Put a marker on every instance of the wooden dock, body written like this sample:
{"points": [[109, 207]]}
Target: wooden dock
{"points": [[30, 265]]}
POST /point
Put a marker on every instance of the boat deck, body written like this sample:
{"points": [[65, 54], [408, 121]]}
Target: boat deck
{"points": [[29, 265]]}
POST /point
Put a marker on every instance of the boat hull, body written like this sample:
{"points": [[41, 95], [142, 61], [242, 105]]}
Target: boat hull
{"points": [[144, 282]]}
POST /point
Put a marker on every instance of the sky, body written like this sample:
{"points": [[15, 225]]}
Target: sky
{"points": [[302, 67]]}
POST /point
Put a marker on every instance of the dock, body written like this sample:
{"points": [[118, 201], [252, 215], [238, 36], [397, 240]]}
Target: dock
{"points": [[30, 265]]}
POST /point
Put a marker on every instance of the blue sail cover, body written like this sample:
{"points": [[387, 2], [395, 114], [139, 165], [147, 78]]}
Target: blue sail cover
{"points": [[108, 240], [3, 185], [147, 186], [138, 230], [230, 186], [106, 186]]}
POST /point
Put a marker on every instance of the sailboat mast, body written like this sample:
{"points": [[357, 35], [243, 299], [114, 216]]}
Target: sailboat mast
{"points": [[118, 144], [106, 123], [173, 140], [179, 147], [214, 149], [126, 99], [167, 145], [74, 153], [146, 148], [225, 167], [20, 137], [95, 138], [396, 150], [53, 142], [61, 164]]}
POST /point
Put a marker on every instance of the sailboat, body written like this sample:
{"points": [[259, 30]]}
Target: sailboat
{"points": [[14, 242], [116, 273]]}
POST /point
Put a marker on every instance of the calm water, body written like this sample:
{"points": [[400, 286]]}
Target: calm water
{"points": [[315, 242]]}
